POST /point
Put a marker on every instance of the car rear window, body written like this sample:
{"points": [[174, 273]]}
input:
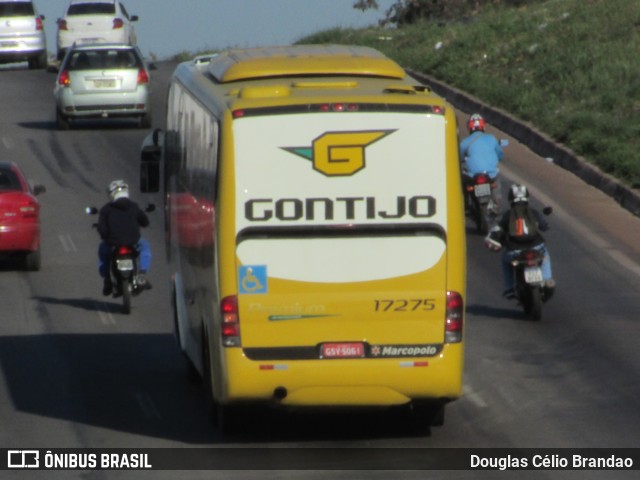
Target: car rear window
{"points": [[104, 59], [9, 181], [16, 9], [92, 9]]}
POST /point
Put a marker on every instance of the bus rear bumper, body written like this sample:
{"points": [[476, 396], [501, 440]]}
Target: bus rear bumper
{"points": [[352, 382]]}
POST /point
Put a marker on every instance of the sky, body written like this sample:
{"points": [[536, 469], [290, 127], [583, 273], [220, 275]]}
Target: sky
{"points": [[168, 27]]}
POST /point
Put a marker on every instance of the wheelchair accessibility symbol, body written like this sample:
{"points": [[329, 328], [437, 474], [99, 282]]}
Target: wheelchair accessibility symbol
{"points": [[252, 279]]}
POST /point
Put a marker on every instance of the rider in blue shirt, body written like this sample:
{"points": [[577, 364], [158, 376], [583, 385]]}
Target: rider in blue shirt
{"points": [[480, 152]]}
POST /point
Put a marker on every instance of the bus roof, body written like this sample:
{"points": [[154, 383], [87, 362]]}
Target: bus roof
{"points": [[302, 60]]}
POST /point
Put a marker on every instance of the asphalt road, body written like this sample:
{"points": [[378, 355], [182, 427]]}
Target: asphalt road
{"points": [[76, 373]]}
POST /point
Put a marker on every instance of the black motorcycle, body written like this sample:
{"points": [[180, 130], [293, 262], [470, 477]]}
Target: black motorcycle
{"points": [[530, 289], [123, 268]]}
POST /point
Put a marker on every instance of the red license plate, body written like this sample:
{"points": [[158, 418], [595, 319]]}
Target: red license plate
{"points": [[342, 350]]}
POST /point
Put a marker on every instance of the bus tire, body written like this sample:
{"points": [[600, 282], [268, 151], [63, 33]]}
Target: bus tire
{"points": [[428, 414]]}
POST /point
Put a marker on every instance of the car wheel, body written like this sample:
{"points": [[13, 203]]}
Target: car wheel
{"points": [[32, 261], [38, 62], [145, 121], [62, 122]]}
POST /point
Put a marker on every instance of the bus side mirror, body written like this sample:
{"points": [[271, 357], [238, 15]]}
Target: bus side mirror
{"points": [[150, 156]]}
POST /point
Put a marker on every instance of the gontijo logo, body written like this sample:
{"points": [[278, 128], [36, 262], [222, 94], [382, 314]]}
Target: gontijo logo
{"points": [[339, 153]]}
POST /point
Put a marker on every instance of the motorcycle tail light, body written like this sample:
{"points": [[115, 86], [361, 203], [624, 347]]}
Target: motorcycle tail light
{"points": [[125, 250], [481, 179]]}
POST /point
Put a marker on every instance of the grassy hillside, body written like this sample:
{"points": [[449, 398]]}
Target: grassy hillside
{"points": [[570, 67]]}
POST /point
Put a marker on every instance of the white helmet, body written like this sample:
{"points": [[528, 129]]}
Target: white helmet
{"points": [[118, 189], [518, 194]]}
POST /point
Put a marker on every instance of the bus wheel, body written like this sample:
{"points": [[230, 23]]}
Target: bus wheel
{"points": [[210, 403], [428, 414], [230, 419]]}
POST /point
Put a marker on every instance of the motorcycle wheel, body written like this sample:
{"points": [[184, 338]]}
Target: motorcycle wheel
{"points": [[533, 306], [126, 296], [482, 224]]}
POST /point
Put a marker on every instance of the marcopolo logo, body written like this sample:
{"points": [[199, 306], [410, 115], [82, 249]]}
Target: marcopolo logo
{"points": [[339, 154]]}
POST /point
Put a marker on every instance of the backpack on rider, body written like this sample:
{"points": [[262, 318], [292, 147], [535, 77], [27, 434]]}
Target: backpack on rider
{"points": [[523, 225]]}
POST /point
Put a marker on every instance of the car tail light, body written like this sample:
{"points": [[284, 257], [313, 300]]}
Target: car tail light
{"points": [[230, 321], [143, 77], [62, 24], [454, 318], [39, 25], [29, 210], [117, 23], [63, 79]]}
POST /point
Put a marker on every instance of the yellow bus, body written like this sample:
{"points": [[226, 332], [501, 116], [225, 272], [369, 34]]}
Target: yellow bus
{"points": [[315, 228]]}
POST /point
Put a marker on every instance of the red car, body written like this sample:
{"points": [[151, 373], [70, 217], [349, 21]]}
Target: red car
{"points": [[19, 215]]}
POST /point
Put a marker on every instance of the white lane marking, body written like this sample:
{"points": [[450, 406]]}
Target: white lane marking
{"points": [[473, 396], [8, 144], [597, 240], [623, 259], [147, 406], [105, 317], [67, 243]]}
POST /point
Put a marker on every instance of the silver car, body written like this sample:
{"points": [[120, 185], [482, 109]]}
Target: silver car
{"points": [[102, 81], [22, 34]]}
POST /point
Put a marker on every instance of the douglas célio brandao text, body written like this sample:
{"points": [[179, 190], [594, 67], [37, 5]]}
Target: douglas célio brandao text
{"points": [[550, 461]]}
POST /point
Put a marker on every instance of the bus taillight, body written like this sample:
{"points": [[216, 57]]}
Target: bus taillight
{"points": [[454, 318], [230, 321]]}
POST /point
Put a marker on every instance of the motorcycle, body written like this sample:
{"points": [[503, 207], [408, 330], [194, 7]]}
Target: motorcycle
{"points": [[480, 201], [530, 288], [123, 268]]}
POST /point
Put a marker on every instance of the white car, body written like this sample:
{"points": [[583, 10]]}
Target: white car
{"points": [[22, 34], [102, 81], [95, 21]]}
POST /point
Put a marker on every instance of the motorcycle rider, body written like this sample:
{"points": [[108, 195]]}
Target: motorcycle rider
{"points": [[119, 224], [501, 235], [481, 152]]}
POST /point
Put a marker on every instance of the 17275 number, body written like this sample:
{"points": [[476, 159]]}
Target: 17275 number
{"points": [[424, 304]]}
